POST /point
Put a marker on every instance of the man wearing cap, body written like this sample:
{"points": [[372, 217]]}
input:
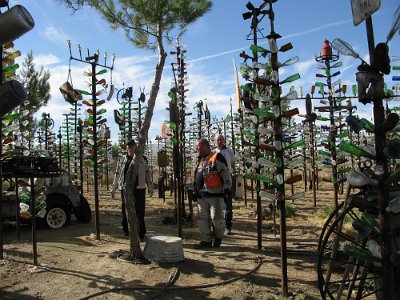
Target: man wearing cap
{"points": [[143, 179], [220, 143], [212, 183]]}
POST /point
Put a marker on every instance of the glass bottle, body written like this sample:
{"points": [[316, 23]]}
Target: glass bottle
{"points": [[10, 68], [394, 177], [324, 153], [290, 113], [354, 150], [359, 253], [370, 220], [266, 179], [263, 51], [295, 163], [320, 118], [342, 135], [294, 145], [291, 78], [296, 196], [289, 62], [368, 126], [264, 113], [361, 227], [84, 92], [101, 72], [262, 161], [266, 147], [267, 196], [294, 179], [390, 122]]}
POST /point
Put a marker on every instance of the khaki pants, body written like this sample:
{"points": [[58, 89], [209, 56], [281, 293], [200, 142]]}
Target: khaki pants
{"points": [[211, 219]]}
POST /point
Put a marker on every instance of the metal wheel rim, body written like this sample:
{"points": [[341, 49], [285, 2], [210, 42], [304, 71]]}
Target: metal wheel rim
{"points": [[56, 218]]}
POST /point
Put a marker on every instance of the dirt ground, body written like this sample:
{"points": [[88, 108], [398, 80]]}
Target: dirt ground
{"points": [[72, 264]]}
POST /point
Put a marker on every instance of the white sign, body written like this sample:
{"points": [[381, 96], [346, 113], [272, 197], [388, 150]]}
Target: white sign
{"points": [[362, 9]]}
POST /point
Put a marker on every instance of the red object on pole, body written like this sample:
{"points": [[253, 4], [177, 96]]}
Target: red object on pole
{"points": [[326, 52]]}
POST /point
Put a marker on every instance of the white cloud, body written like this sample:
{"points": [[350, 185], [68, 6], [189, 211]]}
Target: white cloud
{"points": [[45, 59], [55, 35]]}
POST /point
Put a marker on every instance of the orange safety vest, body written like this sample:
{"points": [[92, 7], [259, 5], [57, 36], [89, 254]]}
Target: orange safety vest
{"points": [[210, 174]]}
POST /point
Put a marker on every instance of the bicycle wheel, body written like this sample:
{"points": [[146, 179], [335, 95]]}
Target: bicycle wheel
{"points": [[331, 218], [346, 269], [328, 224]]}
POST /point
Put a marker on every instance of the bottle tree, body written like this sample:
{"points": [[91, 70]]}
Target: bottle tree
{"points": [[179, 107], [326, 58]]}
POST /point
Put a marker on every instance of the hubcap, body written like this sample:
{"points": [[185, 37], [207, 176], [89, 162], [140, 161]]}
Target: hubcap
{"points": [[56, 218]]}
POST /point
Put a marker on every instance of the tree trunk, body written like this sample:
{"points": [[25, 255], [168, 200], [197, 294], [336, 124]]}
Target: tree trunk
{"points": [[131, 175]]}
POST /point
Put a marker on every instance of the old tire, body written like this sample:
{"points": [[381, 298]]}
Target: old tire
{"points": [[57, 213], [83, 213]]}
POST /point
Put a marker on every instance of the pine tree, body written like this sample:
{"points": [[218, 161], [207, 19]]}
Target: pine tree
{"points": [[36, 83], [147, 24]]}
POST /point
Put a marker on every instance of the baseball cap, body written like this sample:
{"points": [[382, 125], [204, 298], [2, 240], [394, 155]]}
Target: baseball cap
{"points": [[131, 142]]}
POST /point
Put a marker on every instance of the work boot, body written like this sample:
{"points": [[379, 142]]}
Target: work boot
{"points": [[203, 245], [217, 242]]}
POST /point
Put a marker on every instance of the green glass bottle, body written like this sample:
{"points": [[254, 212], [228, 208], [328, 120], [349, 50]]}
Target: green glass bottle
{"points": [[319, 84], [370, 220], [266, 179], [11, 68], [250, 176], [246, 88], [343, 134], [262, 161], [84, 92], [248, 134], [320, 118], [354, 90], [10, 117], [368, 126], [354, 150], [275, 93], [101, 72], [324, 153], [263, 51], [295, 145], [264, 113], [344, 170], [291, 78], [362, 227], [359, 253], [101, 111], [394, 177]]}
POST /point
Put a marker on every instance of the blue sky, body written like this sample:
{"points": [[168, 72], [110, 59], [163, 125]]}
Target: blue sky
{"points": [[212, 44]]}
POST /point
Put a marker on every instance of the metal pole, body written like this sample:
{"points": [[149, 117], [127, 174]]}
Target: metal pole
{"points": [[381, 162], [80, 155], [33, 220], [130, 129], [68, 150], [1, 166], [95, 149], [60, 148], [278, 137], [332, 134]]}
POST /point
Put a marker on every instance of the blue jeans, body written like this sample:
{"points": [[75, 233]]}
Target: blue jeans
{"points": [[228, 211]]}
